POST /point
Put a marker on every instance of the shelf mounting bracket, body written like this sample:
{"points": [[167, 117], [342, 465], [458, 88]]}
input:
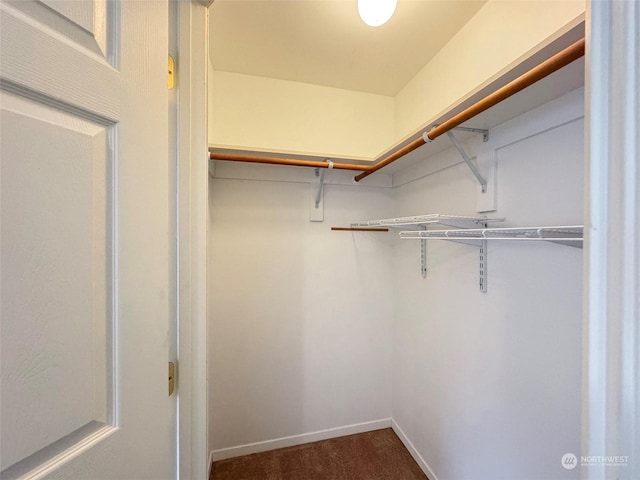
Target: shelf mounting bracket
{"points": [[423, 255], [483, 266], [485, 133], [316, 207], [472, 166], [321, 181]]}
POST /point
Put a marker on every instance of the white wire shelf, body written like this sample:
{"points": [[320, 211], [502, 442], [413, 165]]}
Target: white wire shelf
{"points": [[569, 235], [418, 221], [472, 230]]}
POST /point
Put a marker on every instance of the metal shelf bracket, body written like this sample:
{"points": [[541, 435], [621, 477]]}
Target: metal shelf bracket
{"points": [[423, 255], [483, 266], [485, 133], [472, 166], [316, 205], [321, 180]]}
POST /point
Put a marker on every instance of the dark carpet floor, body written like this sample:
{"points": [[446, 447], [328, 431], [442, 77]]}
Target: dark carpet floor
{"points": [[378, 455]]}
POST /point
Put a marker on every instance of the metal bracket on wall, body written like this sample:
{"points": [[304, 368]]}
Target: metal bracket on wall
{"points": [[316, 207], [423, 255], [485, 133], [483, 266], [472, 166], [321, 181]]}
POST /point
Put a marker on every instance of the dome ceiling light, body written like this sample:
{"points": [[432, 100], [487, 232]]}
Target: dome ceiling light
{"points": [[376, 12]]}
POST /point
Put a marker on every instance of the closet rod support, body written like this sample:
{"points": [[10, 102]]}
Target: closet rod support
{"points": [[467, 160], [321, 181], [485, 133]]}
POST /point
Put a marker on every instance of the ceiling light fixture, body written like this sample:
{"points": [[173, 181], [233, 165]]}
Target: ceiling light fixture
{"points": [[376, 12]]}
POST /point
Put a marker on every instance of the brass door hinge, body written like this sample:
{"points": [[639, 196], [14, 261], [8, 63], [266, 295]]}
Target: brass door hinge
{"points": [[172, 377], [171, 73]]}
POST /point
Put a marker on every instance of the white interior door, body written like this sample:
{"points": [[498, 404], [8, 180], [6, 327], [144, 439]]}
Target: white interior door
{"points": [[84, 234]]}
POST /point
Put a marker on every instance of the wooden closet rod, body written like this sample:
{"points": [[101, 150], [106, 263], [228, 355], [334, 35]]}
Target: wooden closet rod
{"points": [[549, 66], [556, 62], [359, 229], [287, 161]]}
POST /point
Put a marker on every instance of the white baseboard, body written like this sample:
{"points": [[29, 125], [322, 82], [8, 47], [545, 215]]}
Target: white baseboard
{"points": [[257, 447], [210, 462], [412, 450]]}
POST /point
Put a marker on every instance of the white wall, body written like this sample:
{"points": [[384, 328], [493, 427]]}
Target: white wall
{"points": [[300, 316], [499, 35], [267, 114], [487, 385], [314, 330]]}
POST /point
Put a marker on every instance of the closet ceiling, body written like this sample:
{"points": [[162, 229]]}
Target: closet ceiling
{"points": [[324, 42]]}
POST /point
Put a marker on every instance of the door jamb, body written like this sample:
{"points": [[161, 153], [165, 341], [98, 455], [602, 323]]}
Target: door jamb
{"points": [[611, 345], [192, 63]]}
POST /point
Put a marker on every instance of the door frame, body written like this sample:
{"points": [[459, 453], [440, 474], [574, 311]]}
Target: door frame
{"points": [[611, 328], [192, 189], [607, 376]]}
